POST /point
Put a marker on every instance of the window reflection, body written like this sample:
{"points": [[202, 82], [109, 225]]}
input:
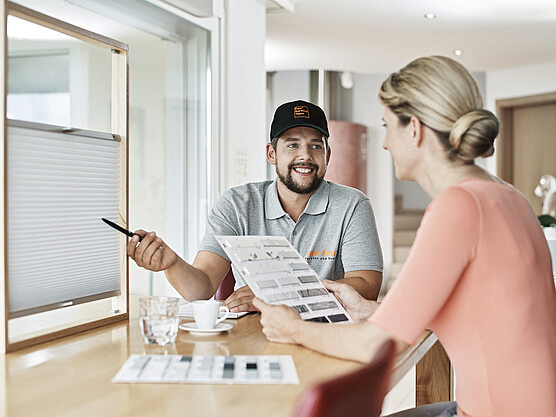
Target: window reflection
{"points": [[56, 79]]}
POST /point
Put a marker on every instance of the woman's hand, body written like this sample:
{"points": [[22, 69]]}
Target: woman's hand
{"points": [[151, 253], [279, 322], [356, 306]]}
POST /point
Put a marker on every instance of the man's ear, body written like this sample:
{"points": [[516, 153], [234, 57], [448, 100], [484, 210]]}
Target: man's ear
{"points": [[327, 155], [270, 154]]}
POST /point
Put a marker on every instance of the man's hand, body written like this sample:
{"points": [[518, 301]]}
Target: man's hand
{"points": [[356, 306], [279, 322], [151, 253], [241, 300]]}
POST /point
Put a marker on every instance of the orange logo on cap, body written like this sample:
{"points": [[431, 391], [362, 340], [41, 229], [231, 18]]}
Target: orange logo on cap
{"points": [[301, 112]]}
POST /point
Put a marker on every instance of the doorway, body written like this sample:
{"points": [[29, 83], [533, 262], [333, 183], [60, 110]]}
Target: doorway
{"points": [[527, 142]]}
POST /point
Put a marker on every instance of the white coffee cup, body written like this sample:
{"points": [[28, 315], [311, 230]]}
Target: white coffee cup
{"points": [[206, 313]]}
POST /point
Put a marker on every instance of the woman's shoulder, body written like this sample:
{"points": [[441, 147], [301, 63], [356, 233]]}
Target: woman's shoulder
{"points": [[477, 189], [458, 201], [455, 194]]}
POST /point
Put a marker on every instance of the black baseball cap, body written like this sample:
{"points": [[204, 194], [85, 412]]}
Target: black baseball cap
{"points": [[298, 113]]}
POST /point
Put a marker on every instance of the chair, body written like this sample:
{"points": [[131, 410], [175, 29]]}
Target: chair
{"points": [[226, 287], [359, 393]]}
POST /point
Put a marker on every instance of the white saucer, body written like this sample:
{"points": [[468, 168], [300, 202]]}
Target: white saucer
{"points": [[192, 328]]}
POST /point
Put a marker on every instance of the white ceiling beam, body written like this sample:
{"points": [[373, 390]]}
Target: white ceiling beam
{"points": [[272, 5]]}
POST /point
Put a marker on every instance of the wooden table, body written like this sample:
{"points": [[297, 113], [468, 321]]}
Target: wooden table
{"points": [[71, 376]]}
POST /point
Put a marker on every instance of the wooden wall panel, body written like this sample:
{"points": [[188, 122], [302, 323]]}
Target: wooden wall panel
{"points": [[348, 158], [534, 148]]}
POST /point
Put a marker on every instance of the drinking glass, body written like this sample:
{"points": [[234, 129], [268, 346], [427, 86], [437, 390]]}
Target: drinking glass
{"points": [[159, 319]]}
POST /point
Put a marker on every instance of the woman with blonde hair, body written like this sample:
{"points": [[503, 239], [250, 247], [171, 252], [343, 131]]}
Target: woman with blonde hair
{"points": [[479, 273]]}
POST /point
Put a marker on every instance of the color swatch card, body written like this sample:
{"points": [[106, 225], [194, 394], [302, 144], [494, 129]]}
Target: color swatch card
{"points": [[278, 274], [238, 369]]}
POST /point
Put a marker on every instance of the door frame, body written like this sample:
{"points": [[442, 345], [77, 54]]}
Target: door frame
{"points": [[505, 110]]}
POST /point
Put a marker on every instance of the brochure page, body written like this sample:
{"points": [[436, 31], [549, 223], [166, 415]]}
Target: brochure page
{"points": [[278, 274]]}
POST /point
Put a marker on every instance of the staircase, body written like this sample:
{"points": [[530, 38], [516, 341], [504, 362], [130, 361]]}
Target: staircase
{"points": [[406, 223]]}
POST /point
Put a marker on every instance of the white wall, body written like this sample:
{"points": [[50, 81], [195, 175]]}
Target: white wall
{"points": [[245, 93], [298, 88], [380, 184], [517, 82]]}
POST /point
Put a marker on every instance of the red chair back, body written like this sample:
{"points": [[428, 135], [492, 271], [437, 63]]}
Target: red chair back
{"points": [[359, 393], [226, 287]]}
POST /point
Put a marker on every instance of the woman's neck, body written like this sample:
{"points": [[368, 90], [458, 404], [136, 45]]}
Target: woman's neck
{"points": [[438, 176]]}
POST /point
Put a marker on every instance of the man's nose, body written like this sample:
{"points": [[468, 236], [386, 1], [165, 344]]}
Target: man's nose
{"points": [[305, 153]]}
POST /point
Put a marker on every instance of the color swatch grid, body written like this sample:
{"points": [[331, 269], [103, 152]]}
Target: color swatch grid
{"points": [[239, 369]]}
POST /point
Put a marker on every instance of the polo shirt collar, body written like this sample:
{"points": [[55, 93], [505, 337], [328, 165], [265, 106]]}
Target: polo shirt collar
{"points": [[316, 205], [273, 207], [319, 200]]}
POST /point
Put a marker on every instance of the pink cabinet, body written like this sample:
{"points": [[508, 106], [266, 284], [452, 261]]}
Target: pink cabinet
{"points": [[348, 154]]}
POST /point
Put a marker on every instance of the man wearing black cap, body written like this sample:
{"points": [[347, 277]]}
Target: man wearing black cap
{"points": [[331, 225]]}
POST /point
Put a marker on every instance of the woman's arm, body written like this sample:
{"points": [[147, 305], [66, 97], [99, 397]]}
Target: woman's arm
{"points": [[356, 342]]}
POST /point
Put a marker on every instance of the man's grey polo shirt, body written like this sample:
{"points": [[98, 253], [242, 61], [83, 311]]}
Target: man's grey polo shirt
{"points": [[336, 233]]}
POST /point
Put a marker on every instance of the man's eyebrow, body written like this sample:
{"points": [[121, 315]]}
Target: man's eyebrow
{"points": [[294, 139]]}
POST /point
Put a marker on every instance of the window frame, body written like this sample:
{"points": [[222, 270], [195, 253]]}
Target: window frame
{"points": [[119, 127]]}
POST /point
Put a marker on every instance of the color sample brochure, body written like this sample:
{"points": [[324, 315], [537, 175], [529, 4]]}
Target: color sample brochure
{"points": [[238, 369], [278, 274]]}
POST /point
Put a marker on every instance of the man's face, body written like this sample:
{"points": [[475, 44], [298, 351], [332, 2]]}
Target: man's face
{"points": [[300, 158]]}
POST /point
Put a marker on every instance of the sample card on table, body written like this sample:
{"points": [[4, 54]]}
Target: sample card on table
{"points": [[278, 274], [238, 369]]}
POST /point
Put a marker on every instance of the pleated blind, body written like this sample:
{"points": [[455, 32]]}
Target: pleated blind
{"points": [[60, 183]]}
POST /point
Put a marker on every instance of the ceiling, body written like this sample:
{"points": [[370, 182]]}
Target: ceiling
{"points": [[381, 36]]}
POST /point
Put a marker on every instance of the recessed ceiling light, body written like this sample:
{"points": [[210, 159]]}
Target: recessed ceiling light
{"points": [[458, 52], [430, 16]]}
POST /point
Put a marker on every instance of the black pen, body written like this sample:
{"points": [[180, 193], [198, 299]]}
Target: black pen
{"points": [[121, 229]]}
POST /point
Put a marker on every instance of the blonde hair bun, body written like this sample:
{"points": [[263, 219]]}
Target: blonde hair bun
{"points": [[473, 134]]}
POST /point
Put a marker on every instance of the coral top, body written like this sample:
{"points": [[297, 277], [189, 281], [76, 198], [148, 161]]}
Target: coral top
{"points": [[479, 275]]}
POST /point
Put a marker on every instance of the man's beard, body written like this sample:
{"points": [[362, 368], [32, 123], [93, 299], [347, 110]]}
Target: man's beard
{"points": [[292, 185]]}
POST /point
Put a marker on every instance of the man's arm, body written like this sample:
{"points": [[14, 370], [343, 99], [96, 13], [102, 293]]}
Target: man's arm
{"points": [[367, 283], [200, 280], [197, 281]]}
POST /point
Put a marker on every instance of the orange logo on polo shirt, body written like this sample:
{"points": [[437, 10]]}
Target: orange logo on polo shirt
{"points": [[301, 112], [322, 254]]}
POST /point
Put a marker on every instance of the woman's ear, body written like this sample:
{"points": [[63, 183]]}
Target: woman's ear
{"points": [[416, 130]]}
